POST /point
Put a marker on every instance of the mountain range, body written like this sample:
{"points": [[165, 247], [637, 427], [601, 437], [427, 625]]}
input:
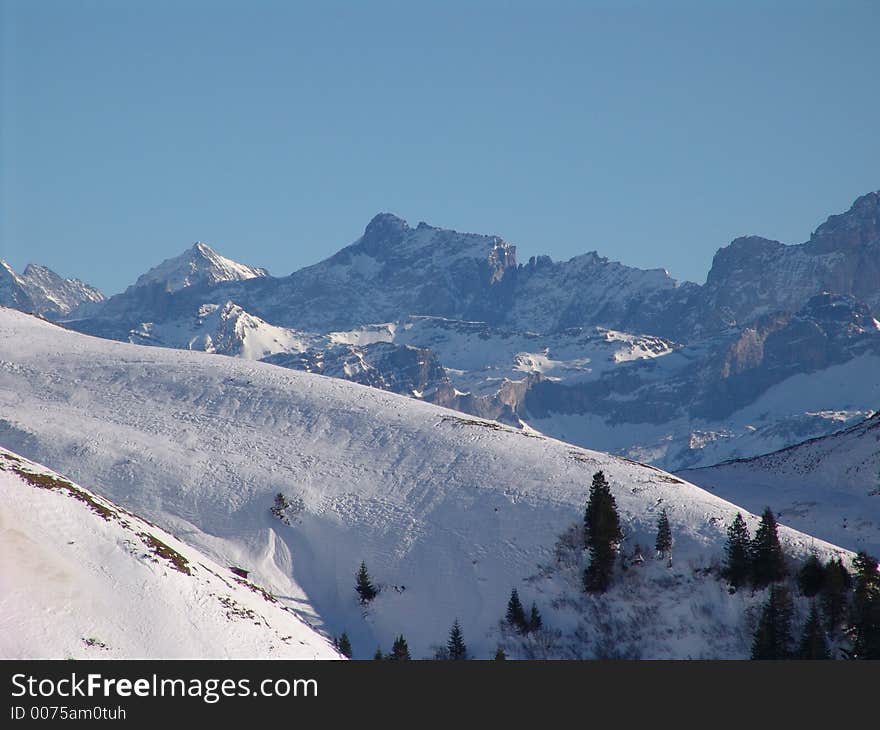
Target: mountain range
{"points": [[778, 345]]}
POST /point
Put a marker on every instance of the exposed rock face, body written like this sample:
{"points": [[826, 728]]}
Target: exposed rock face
{"points": [[391, 270], [755, 276], [716, 379], [403, 369], [398, 368], [590, 290], [41, 291]]}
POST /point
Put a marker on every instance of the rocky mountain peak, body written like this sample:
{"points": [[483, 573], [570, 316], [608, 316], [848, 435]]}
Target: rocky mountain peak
{"points": [[744, 255], [858, 227], [383, 232], [199, 264], [39, 289]]}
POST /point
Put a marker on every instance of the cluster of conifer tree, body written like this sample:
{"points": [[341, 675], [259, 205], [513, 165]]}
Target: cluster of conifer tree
{"points": [[757, 562], [841, 606], [603, 535], [517, 619]]}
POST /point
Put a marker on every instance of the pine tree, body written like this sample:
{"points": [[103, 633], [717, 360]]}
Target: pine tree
{"points": [[378, 655], [737, 565], [364, 585], [663, 545], [834, 594], [866, 608], [811, 576], [602, 534], [536, 623], [279, 508], [400, 650], [455, 644], [344, 645], [773, 635], [768, 562], [813, 645], [500, 656], [516, 615]]}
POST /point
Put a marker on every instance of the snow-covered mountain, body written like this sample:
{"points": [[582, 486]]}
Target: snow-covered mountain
{"points": [[41, 291], [829, 486], [448, 512], [197, 266], [84, 578]]}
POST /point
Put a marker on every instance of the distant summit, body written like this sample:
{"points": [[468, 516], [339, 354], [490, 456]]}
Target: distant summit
{"points": [[198, 265], [40, 290]]}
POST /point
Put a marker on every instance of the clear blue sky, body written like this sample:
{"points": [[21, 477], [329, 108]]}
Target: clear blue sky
{"points": [[652, 132]]}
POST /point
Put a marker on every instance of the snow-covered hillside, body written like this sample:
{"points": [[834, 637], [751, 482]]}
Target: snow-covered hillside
{"points": [[829, 486], [448, 512], [81, 577]]}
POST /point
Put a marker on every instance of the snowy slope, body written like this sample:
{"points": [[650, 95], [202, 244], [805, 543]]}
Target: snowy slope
{"points": [[82, 578], [448, 512], [827, 486], [199, 264]]}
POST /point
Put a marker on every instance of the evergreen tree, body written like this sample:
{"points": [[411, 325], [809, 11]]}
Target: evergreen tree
{"points": [[279, 508], [738, 565], [773, 635], [866, 608], [811, 576], [364, 585], [344, 645], [536, 623], [455, 644], [602, 534], [834, 594], [768, 562], [400, 650], [500, 656], [516, 615], [663, 545], [378, 655], [813, 645]]}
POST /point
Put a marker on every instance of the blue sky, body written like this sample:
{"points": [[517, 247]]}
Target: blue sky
{"points": [[651, 132]]}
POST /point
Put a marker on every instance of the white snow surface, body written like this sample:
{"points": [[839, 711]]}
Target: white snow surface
{"points": [[82, 578], [448, 512]]}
